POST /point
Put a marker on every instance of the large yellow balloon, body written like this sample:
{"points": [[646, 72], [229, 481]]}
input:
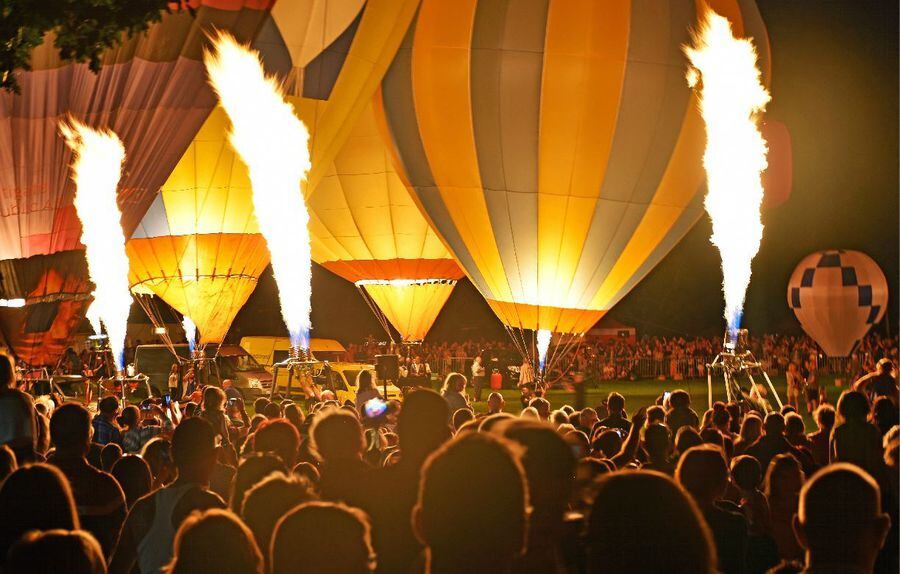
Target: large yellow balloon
{"points": [[554, 145], [198, 247], [366, 228]]}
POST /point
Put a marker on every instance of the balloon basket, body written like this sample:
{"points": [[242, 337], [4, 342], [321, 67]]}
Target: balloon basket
{"points": [[735, 365], [299, 364]]}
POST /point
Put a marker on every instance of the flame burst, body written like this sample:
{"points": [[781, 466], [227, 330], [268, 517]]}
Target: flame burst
{"points": [[725, 74], [273, 143], [190, 332], [543, 345], [96, 169]]}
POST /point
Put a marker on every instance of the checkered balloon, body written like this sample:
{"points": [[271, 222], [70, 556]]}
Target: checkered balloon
{"points": [[837, 296]]}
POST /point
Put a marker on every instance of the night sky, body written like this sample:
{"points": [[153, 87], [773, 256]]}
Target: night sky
{"points": [[835, 86]]}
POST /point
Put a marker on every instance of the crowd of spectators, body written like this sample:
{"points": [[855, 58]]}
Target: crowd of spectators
{"points": [[672, 358], [431, 486]]}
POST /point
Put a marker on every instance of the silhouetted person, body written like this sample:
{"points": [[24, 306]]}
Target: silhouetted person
{"points": [[158, 454], [453, 391], [150, 528], [703, 472], [658, 444], [254, 468], [35, 497], [751, 430], [784, 479], [839, 523], [319, 537], [854, 439], [680, 412], [109, 455], [106, 429], [773, 442], [18, 426], [550, 471], [337, 440], [421, 428], [762, 552], [215, 541], [495, 403], [818, 440], [133, 475], [279, 437], [643, 522], [271, 499], [99, 498], [56, 551], [879, 383], [481, 528], [617, 419]]}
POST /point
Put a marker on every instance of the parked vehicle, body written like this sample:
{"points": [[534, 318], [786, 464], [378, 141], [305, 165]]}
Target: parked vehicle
{"points": [[338, 376], [225, 362]]}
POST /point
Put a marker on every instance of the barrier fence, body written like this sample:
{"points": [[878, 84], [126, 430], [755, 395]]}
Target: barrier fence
{"points": [[673, 368]]}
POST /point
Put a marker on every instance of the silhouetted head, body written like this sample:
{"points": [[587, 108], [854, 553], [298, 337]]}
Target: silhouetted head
{"points": [[825, 417], [34, 497], [446, 515], [250, 471], [322, 537], [280, 437], [839, 521], [774, 424], [853, 405], [703, 472], [422, 423], [215, 541], [54, 551], [643, 522], [336, 435], [271, 499], [70, 429], [134, 476], [194, 448], [549, 469], [746, 472]]}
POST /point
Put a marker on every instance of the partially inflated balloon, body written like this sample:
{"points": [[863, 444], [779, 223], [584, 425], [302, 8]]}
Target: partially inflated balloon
{"points": [[837, 296], [554, 145]]}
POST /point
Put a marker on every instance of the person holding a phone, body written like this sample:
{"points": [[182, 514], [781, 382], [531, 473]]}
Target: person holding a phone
{"points": [[365, 390]]}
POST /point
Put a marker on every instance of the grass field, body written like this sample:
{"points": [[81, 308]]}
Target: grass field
{"points": [[644, 393]]}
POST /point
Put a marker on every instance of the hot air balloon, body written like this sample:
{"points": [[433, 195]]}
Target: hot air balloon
{"points": [[151, 90], [47, 297], [837, 295], [199, 247], [366, 228], [554, 145]]}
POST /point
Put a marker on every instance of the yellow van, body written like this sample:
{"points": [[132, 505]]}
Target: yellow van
{"points": [[271, 350]]}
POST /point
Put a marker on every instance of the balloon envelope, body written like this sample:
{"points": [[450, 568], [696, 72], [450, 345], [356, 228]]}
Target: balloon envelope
{"points": [[56, 293], [837, 296], [366, 228], [554, 145]]}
